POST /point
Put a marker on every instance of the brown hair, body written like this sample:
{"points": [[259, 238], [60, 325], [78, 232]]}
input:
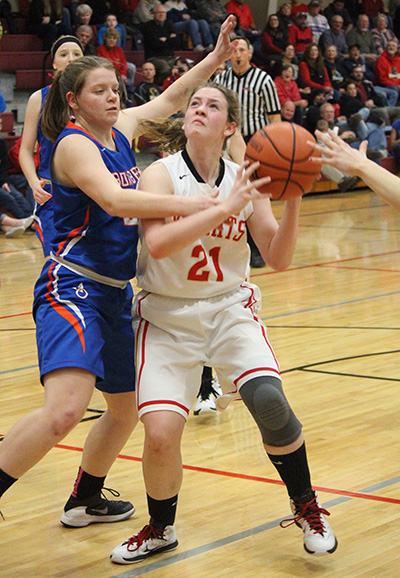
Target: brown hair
{"points": [[169, 133], [56, 112]]}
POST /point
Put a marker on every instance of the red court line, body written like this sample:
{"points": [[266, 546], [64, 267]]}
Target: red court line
{"points": [[257, 479], [15, 315]]}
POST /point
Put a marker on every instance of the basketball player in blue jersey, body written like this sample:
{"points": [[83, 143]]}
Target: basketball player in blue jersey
{"points": [[196, 308], [64, 50], [82, 304]]}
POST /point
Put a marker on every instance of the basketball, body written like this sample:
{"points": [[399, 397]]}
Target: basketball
{"points": [[284, 155]]}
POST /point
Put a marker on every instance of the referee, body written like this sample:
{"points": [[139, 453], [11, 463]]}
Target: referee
{"points": [[258, 100]]}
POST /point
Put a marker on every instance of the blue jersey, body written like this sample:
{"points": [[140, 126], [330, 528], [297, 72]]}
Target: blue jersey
{"points": [[87, 235]]}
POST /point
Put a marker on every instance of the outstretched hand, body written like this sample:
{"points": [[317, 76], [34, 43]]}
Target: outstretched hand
{"points": [[224, 47], [339, 154], [244, 190]]}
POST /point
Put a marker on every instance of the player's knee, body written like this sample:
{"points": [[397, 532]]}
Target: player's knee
{"points": [[64, 421], [269, 407]]}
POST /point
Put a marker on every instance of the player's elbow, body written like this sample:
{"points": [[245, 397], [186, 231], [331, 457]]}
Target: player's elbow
{"points": [[156, 249]]}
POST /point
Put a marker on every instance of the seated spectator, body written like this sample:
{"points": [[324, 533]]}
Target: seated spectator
{"points": [[236, 30], [48, 21], [381, 33], [145, 11], [14, 227], [334, 67], [7, 14], [300, 34], [127, 8], [84, 16], [395, 140], [298, 6], [387, 68], [352, 107], [372, 8], [313, 72], [336, 8], [287, 57], [288, 110], [181, 65], [335, 36], [198, 30], [316, 100], [147, 89], [116, 55], [159, 36], [285, 14], [287, 89], [16, 176], [101, 8], [246, 18], [316, 21], [355, 59], [85, 34], [372, 96], [343, 181], [362, 36], [274, 38], [11, 199], [214, 12], [111, 21]]}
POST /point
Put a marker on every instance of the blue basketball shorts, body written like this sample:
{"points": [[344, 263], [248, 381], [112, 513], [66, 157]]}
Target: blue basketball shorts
{"points": [[86, 324]]}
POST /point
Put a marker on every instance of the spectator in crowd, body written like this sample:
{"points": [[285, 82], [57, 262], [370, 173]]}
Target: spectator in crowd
{"points": [[372, 97], [48, 21], [214, 12], [336, 36], [334, 67], [288, 56], [159, 36], [393, 5], [373, 7], [381, 33], [300, 34], [11, 199], [395, 140], [15, 174], [387, 68], [85, 34], [111, 21], [14, 227], [274, 38], [352, 107], [181, 65], [6, 12], [145, 11], [313, 72], [288, 110], [287, 89], [147, 89], [84, 16], [116, 55], [246, 18], [355, 59], [316, 100], [236, 30], [362, 36], [337, 7], [344, 182], [298, 6], [101, 8], [198, 30], [285, 14], [316, 21]]}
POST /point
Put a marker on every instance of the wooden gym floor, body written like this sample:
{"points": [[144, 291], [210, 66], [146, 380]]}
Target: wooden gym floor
{"points": [[333, 319]]}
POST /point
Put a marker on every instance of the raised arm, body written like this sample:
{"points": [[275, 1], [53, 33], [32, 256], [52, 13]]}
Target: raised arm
{"points": [[175, 97], [354, 162]]}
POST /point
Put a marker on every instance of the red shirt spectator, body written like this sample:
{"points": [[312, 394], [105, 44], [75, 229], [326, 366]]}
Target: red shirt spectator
{"points": [[373, 7], [296, 8], [242, 11], [300, 35], [387, 67], [288, 91], [113, 52]]}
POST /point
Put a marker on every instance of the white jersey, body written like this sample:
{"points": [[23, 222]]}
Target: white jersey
{"points": [[214, 264]]}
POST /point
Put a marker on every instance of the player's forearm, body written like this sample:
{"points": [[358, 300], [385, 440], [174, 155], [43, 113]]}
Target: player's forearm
{"points": [[283, 244], [385, 184]]}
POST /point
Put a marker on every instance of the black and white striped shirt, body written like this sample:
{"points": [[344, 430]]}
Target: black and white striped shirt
{"points": [[257, 97]]}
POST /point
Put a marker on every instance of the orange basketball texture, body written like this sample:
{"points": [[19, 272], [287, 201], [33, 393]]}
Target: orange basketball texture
{"points": [[283, 152]]}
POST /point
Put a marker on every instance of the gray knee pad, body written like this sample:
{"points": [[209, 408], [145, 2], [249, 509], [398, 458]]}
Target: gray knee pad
{"points": [[269, 407]]}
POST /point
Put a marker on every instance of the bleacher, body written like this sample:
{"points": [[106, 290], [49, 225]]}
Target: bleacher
{"points": [[22, 56]]}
